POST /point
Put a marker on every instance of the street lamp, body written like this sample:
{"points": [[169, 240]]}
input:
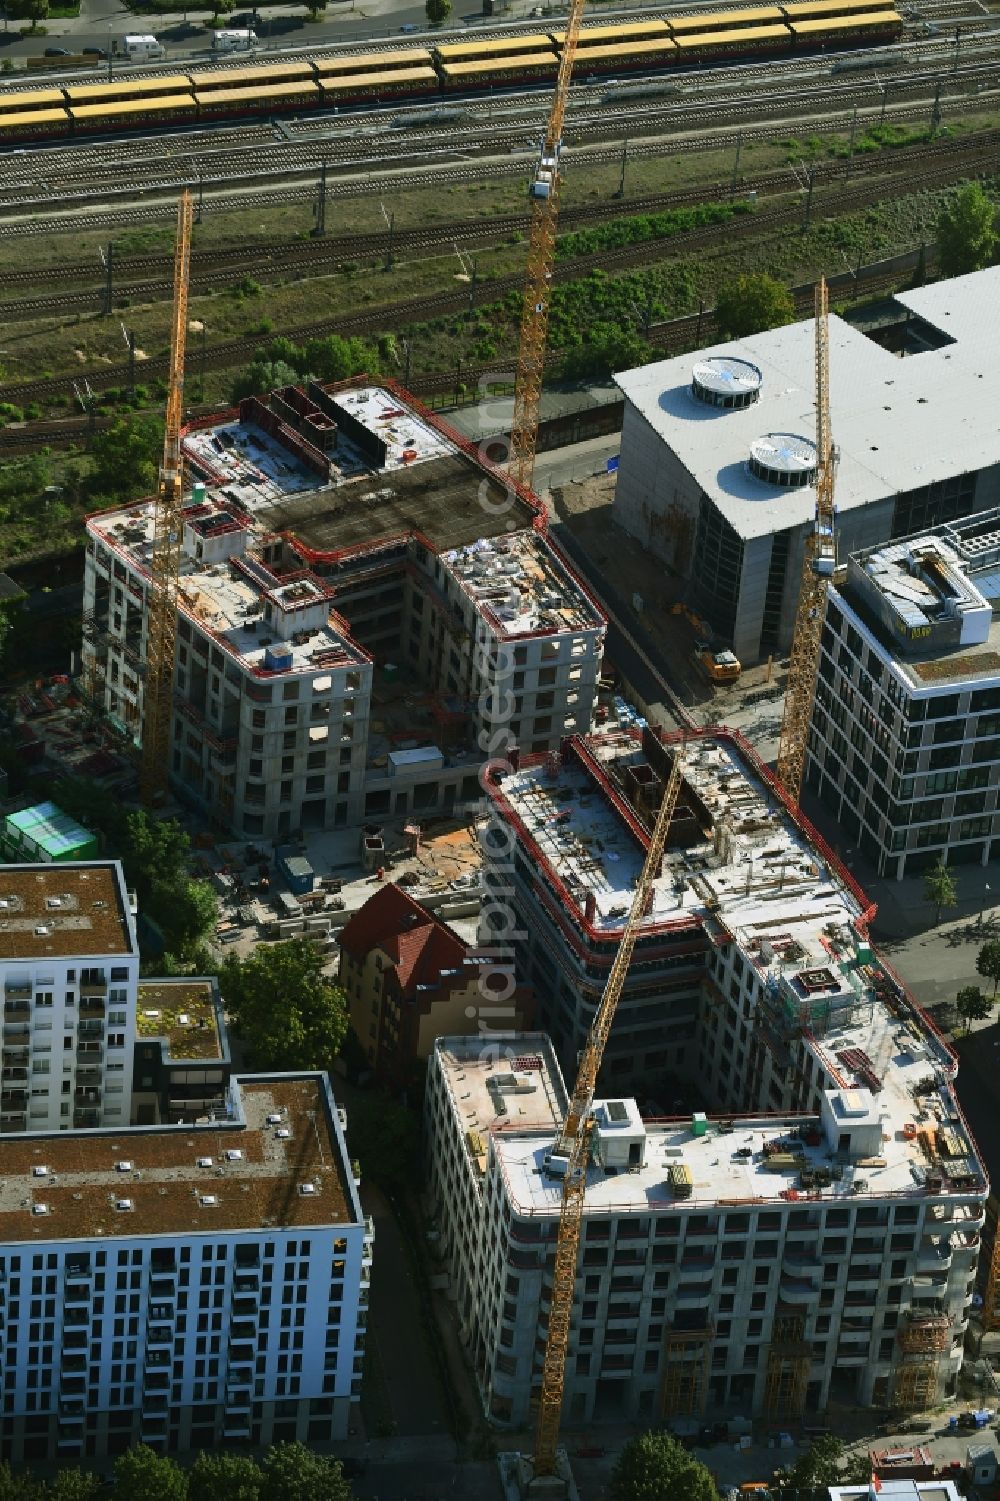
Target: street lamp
{"points": [[110, 42], [986, 902]]}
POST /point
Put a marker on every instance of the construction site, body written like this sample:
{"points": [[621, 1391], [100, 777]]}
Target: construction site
{"points": [[807, 1242]]}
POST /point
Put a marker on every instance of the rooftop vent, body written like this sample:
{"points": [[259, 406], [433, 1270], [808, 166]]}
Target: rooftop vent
{"points": [[784, 459], [724, 382], [124, 1166], [124, 1206], [206, 1162], [42, 930], [39, 1171], [275, 1120], [39, 1208], [305, 1189], [234, 1155], [283, 1134], [208, 1201]]}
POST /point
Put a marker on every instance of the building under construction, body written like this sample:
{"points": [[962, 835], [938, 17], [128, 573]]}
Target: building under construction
{"points": [[366, 610], [811, 1238]]}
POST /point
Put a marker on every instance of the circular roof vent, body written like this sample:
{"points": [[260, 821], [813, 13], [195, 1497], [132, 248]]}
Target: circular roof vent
{"points": [[724, 382], [784, 459]]}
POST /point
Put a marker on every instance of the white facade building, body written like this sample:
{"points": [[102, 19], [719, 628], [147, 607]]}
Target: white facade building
{"points": [[186, 1287], [717, 456], [69, 967], [810, 1241], [314, 583], [904, 746]]}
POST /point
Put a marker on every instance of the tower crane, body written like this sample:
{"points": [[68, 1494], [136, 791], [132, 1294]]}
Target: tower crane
{"points": [[571, 1152], [541, 259], [167, 531], [818, 567]]}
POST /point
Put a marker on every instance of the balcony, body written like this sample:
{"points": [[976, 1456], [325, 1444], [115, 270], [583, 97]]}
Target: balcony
{"points": [[159, 1336], [86, 1098], [16, 1032], [240, 1352], [77, 1271], [71, 1364], [246, 1282], [93, 989], [72, 1410], [91, 1005], [245, 1308], [797, 1290], [14, 1074], [934, 1255], [864, 1278], [156, 1379], [242, 1329], [163, 1289], [87, 1118], [17, 995], [240, 1375]]}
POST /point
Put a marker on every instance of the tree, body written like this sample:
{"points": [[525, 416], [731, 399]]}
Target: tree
{"points": [[752, 303], [655, 1467], [291, 1472], [18, 1487], [224, 1477], [939, 889], [386, 1137], [988, 962], [606, 347], [823, 1465], [437, 11], [28, 10], [292, 1015], [966, 231], [126, 458], [262, 376], [142, 1475], [73, 1485], [971, 1004]]}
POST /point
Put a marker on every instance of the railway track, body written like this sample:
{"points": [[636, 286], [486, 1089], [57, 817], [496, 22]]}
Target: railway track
{"points": [[232, 353], [292, 259]]}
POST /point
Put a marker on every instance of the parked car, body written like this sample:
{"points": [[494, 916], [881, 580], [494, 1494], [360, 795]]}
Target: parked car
{"points": [[93, 52], [57, 52]]}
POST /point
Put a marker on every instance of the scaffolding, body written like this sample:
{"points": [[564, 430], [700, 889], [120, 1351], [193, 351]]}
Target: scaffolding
{"points": [[788, 1359], [922, 1338], [686, 1357], [925, 1334], [991, 1291], [915, 1386]]}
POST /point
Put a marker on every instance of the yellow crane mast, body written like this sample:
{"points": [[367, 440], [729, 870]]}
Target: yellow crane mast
{"points": [[818, 566], [571, 1152], [541, 259], [161, 629]]}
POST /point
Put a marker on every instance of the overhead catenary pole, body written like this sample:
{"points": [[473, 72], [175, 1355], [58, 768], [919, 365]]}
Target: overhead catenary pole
{"points": [[167, 528]]}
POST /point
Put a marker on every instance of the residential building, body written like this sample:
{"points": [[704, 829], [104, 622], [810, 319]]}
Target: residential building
{"points": [[806, 1240], [409, 978], [69, 967], [365, 606], [182, 1058], [186, 1287], [718, 462], [904, 746]]}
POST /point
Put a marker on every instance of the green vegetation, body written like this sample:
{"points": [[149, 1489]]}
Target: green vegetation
{"points": [[966, 231], [751, 303], [825, 1464], [287, 1472], [972, 1005], [386, 1137], [327, 359], [437, 11], [940, 889], [644, 227], [290, 1013], [126, 459], [655, 1467], [34, 11], [988, 962]]}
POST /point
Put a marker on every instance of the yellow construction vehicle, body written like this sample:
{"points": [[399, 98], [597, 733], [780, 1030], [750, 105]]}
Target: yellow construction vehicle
{"points": [[719, 666]]}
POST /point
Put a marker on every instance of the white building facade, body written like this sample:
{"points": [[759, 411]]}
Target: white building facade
{"points": [[69, 968], [904, 745], [186, 1288]]}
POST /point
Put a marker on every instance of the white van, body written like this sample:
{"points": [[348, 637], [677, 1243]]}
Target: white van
{"points": [[139, 49], [234, 41]]}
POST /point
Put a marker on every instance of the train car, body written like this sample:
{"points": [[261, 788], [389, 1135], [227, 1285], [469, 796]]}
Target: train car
{"points": [[248, 78], [262, 99], [34, 125], [723, 46], [400, 83], [133, 114], [610, 36], [28, 100], [725, 20], [822, 10], [493, 47], [373, 62], [132, 88], [626, 57], [498, 73], [847, 31]]}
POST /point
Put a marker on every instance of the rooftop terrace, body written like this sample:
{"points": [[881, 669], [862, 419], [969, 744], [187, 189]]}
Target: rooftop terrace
{"points": [[246, 1175], [502, 1081], [184, 1013], [59, 910]]}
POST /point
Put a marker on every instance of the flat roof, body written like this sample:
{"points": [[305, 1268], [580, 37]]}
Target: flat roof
{"points": [[506, 1081], [48, 826], [520, 584], [899, 424], [164, 1183], [59, 910], [184, 1013]]}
